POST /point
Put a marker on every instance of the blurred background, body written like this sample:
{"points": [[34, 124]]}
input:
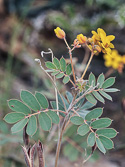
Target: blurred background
{"points": [[26, 29]]}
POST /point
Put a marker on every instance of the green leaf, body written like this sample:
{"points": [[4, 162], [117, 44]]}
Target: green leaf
{"points": [[95, 113], [68, 69], [107, 143], [32, 126], [56, 63], [69, 96], [30, 100], [54, 73], [87, 106], [98, 96], [18, 106], [66, 79], [63, 64], [100, 80], [50, 65], [92, 79], [105, 95], [108, 82], [91, 139], [91, 98], [42, 100], [101, 123], [108, 132], [76, 120], [53, 116], [83, 129], [111, 90], [13, 117], [19, 125], [100, 146], [44, 121], [60, 75]]}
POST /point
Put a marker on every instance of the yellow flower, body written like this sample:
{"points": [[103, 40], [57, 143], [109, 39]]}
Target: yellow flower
{"points": [[81, 38], [114, 60], [59, 33], [103, 41]]}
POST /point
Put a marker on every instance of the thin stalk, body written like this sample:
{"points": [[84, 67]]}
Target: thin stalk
{"points": [[36, 113], [92, 54], [60, 141], [66, 119], [70, 54]]}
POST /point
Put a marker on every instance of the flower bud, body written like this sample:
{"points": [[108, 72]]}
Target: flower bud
{"points": [[90, 40], [81, 38], [59, 33], [76, 43]]}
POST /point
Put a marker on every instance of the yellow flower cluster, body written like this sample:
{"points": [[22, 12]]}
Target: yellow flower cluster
{"points": [[114, 60], [98, 42], [101, 39]]}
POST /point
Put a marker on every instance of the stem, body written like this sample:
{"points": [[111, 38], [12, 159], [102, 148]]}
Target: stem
{"points": [[36, 113], [87, 65], [86, 57], [59, 141], [70, 54]]}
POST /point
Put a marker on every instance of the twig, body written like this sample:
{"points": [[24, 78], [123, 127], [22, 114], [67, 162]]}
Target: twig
{"points": [[70, 54], [92, 54]]}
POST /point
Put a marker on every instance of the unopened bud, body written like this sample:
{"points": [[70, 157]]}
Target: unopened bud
{"points": [[59, 33], [81, 38]]}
